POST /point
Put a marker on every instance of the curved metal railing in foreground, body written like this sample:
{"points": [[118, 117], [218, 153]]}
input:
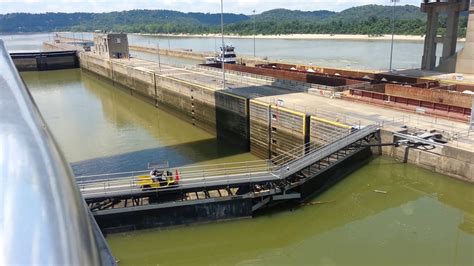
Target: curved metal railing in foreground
{"points": [[43, 219]]}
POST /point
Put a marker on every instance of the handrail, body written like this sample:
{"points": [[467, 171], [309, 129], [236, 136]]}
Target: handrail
{"points": [[43, 217], [324, 151], [198, 177]]}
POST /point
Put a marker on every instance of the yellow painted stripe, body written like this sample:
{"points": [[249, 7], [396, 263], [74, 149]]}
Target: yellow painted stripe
{"points": [[232, 95], [303, 115], [334, 123], [260, 103], [288, 110]]}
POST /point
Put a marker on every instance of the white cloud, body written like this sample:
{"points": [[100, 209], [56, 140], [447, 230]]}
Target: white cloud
{"points": [[211, 6]]}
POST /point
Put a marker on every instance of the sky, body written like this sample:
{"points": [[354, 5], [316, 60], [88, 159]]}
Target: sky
{"points": [[211, 6]]}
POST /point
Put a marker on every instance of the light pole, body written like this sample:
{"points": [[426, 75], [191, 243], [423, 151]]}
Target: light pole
{"points": [[254, 32], [158, 52], [223, 46], [168, 33], [393, 31]]}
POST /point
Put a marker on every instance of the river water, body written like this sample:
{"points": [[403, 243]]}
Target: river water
{"points": [[351, 54], [423, 219]]}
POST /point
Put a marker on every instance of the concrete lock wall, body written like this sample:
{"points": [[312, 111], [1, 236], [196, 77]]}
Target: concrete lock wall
{"points": [[139, 80], [220, 113], [288, 130], [323, 131], [449, 160], [96, 65], [259, 129], [277, 130], [232, 118], [193, 103]]}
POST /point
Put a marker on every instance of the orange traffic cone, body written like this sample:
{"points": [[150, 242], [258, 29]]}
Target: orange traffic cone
{"points": [[177, 175]]}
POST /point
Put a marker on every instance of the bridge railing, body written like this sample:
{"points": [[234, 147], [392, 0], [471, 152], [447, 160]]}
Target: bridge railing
{"points": [[131, 186], [324, 151], [302, 150], [191, 176], [186, 171], [201, 176]]}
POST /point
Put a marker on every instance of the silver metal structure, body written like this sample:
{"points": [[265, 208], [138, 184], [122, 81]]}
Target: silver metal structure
{"points": [[119, 184], [43, 219]]}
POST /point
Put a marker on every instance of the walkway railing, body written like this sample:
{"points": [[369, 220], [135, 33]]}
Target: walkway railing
{"points": [[201, 176], [317, 154]]}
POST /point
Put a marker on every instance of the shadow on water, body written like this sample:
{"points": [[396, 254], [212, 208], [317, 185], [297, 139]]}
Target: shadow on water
{"points": [[103, 129], [177, 155]]}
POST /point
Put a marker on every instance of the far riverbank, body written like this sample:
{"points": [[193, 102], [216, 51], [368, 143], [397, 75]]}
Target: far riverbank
{"points": [[301, 36]]}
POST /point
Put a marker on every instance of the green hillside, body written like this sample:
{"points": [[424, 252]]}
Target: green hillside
{"points": [[368, 19]]}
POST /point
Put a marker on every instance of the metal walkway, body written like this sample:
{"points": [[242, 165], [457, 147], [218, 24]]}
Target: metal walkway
{"points": [[221, 176]]}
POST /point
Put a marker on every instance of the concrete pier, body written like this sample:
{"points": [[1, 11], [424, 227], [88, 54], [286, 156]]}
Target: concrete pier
{"points": [[449, 160], [449, 40], [465, 59]]}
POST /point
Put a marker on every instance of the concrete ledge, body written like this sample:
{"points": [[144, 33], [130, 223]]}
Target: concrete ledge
{"points": [[449, 160]]}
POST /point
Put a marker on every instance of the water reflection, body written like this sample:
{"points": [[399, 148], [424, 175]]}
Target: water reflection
{"points": [[101, 128]]}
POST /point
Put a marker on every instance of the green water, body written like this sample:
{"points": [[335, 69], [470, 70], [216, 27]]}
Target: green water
{"points": [[112, 131], [423, 219]]}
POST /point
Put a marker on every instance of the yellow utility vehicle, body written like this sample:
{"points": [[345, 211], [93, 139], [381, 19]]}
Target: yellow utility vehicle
{"points": [[159, 177]]}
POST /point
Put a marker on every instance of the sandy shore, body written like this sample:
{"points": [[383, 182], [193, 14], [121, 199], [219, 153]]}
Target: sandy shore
{"points": [[302, 36]]}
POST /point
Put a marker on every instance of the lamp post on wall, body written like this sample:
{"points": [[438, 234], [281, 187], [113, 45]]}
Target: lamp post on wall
{"points": [[223, 46], [158, 52], [393, 31], [168, 33], [254, 32]]}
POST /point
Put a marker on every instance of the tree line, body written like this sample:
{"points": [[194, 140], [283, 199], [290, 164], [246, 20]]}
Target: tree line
{"points": [[367, 20]]}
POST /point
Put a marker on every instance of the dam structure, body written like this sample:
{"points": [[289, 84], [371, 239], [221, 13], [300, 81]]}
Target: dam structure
{"points": [[307, 152], [273, 108], [287, 115]]}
